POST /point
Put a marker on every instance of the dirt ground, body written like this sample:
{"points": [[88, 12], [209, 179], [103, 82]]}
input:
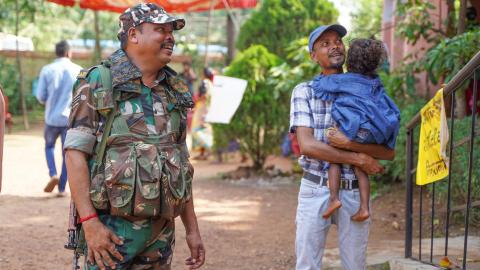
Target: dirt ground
{"points": [[246, 224]]}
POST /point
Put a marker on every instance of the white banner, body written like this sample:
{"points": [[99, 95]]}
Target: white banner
{"points": [[225, 97]]}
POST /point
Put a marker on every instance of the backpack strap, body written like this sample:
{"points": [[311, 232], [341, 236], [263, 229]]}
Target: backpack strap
{"points": [[106, 79]]}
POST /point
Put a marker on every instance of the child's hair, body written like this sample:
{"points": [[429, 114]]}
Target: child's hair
{"points": [[365, 56]]}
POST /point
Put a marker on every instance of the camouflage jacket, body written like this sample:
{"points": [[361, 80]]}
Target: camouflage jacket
{"points": [[142, 112]]}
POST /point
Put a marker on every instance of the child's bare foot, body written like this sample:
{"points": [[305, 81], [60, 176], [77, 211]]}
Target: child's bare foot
{"points": [[332, 206], [361, 215]]}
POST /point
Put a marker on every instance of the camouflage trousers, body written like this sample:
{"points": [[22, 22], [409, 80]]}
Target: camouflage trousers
{"points": [[147, 244]]}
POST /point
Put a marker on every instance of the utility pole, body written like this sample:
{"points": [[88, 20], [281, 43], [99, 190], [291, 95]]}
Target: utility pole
{"points": [[231, 35]]}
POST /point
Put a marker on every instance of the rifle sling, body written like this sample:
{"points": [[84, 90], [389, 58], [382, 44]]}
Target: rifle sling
{"points": [[106, 78]]}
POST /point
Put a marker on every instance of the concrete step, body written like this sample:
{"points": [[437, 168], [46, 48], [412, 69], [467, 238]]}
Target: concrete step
{"points": [[409, 264]]}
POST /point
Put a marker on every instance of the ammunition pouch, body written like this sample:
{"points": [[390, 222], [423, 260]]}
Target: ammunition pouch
{"points": [[142, 177]]}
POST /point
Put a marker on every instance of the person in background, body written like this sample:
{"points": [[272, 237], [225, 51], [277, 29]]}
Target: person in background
{"points": [[55, 92], [188, 75], [202, 138]]}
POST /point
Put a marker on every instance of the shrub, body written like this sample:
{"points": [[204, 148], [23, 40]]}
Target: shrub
{"points": [[259, 122]]}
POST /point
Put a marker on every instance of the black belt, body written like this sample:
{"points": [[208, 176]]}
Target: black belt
{"points": [[317, 179]]}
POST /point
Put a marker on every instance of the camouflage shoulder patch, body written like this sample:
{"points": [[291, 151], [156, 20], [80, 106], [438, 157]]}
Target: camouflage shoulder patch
{"points": [[177, 84], [84, 72], [180, 95]]}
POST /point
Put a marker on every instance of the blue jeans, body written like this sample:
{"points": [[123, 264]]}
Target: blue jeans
{"points": [[312, 229], [51, 134]]}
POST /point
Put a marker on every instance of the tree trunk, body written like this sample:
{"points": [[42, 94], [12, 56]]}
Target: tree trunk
{"points": [[231, 34], [19, 69], [207, 40], [462, 17], [460, 104], [98, 50], [450, 31]]}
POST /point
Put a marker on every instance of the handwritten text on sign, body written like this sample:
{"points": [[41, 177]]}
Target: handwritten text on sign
{"points": [[432, 159]]}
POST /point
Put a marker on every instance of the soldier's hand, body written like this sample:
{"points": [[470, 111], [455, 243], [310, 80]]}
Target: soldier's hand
{"points": [[197, 251], [101, 244], [370, 165]]}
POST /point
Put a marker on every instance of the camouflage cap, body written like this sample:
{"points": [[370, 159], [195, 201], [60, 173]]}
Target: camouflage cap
{"points": [[147, 13]]}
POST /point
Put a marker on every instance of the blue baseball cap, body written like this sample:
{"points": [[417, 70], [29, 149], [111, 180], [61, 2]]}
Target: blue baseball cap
{"points": [[315, 34]]}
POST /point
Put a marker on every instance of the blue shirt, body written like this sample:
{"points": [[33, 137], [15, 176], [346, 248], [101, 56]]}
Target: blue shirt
{"points": [[55, 85], [360, 102], [307, 110]]}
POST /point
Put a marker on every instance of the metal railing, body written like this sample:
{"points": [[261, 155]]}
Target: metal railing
{"points": [[421, 193]]}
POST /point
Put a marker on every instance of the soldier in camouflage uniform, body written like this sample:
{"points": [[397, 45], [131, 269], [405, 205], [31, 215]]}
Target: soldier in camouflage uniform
{"points": [[128, 200]]}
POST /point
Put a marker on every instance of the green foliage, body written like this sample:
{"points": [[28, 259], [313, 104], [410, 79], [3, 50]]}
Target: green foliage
{"points": [[8, 80], [259, 122], [277, 22], [447, 58], [441, 62], [417, 21], [366, 19], [27, 11], [459, 170], [286, 76], [47, 23]]}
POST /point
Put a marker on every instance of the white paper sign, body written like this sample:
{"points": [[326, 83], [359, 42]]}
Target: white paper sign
{"points": [[226, 96]]}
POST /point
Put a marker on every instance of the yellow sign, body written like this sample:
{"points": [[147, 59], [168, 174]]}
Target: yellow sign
{"points": [[432, 159]]}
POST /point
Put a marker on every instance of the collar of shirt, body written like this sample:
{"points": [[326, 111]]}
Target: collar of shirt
{"points": [[124, 71], [63, 59]]}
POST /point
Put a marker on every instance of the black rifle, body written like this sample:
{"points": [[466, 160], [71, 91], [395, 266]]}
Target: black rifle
{"points": [[74, 228]]}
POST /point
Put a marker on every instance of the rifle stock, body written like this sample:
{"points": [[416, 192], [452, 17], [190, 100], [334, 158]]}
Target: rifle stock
{"points": [[73, 235]]}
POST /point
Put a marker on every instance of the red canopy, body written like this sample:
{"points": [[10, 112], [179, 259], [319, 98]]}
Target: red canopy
{"points": [[176, 6]]}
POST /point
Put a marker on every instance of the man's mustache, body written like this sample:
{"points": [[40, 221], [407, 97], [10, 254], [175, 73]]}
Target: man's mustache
{"points": [[335, 52]]}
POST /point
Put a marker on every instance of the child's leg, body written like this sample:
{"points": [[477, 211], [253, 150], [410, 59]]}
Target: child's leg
{"points": [[334, 186], [363, 212]]}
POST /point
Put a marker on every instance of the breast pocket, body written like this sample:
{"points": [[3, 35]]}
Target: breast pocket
{"points": [[134, 116]]}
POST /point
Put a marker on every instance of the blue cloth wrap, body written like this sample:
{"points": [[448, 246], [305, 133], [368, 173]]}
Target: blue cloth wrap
{"points": [[360, 102]]}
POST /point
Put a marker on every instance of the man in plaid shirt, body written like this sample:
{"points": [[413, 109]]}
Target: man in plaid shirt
{"points": [[310, 117]]}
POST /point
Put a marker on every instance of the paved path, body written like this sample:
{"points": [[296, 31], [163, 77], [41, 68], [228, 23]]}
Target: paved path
{"points": [[245, 224]]}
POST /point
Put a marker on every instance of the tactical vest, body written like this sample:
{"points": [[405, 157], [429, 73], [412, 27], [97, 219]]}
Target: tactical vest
{"points": [[138, 175]]}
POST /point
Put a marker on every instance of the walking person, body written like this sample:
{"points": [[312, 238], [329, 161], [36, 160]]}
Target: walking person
{"points": [[55, 84]]}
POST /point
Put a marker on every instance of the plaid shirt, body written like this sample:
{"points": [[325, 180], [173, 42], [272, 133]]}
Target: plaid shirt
{"points": [[308, 111]]}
